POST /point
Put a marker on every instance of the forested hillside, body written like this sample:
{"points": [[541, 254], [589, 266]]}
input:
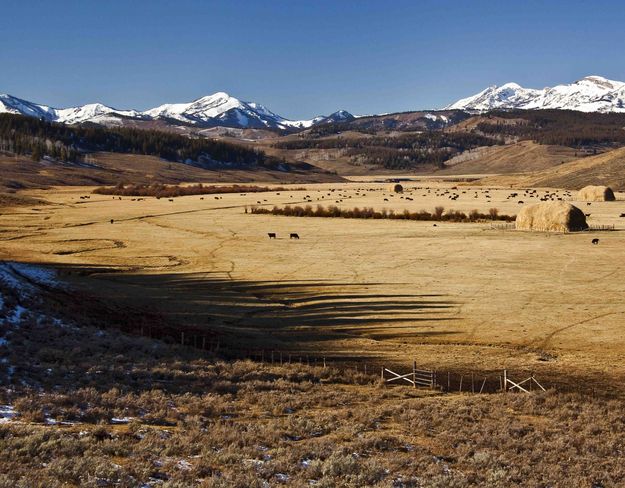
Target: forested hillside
{"points": [[403, 151], [559, 127], [28, 136]]}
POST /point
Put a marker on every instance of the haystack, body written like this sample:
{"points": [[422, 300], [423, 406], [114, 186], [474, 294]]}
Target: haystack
{"points": [[596, 194], [554, 216], [396, 188]]}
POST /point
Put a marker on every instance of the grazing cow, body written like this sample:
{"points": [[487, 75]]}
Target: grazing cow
{"points": [[595, 241], [588, 203], [201, 198], [434, 225], [521, 202], [293, 235], [112, 221], [171, 199], [622, 215], [272, 235]]}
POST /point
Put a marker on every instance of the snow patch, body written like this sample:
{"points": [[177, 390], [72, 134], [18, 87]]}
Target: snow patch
{"points": [[7, 413]]}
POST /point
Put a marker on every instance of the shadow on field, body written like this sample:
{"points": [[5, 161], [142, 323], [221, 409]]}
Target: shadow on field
{"points": [[270, 313]]}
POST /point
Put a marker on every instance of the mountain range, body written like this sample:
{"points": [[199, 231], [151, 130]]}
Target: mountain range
{"points": [[219, 109], [590, 94]]}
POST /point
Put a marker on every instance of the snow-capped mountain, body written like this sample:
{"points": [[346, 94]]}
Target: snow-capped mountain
{"points": [[95, 112], [219, 109], [590, 94], [14, 105]]}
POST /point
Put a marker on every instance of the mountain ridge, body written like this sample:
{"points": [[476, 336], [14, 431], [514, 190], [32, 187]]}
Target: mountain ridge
{"points": [[218, 109], [589, 94]]}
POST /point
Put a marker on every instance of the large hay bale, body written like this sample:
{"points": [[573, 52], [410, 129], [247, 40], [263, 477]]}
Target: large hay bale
{"points": [[596, 194], [396, 188], [551, 217]]}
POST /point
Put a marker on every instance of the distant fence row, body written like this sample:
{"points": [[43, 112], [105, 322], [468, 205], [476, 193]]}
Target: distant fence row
{"points": [[416, 377], [478, 381], [591, 228]]}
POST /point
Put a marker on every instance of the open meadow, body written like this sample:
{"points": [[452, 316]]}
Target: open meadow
{"points": [[459, 296]]}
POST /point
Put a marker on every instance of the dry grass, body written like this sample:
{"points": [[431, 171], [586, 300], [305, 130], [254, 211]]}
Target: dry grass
{"points": [[190, 419], [604, 169], [458, 295]]}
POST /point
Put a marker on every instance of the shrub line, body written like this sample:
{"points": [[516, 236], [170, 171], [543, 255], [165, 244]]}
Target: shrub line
{"points": [[333, 211], [162, 191]]}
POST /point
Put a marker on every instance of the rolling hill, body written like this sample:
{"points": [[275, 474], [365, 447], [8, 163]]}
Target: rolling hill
{"points": [[603, 169]]}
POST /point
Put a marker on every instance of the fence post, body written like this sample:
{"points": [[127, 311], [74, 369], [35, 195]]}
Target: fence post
{"points": [[324, 363], [460, 389], [182, 338], [448, 381], [382, 373], [505, 380], [414, 374]]}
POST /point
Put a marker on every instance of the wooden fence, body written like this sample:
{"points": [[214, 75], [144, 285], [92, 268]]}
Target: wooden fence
{"points": [[591, 228], [509, 385], [418, 377], [506, 226]]}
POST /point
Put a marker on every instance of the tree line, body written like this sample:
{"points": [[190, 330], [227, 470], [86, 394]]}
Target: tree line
{"points": [[399, 152], [38, 138], [558, 127]]}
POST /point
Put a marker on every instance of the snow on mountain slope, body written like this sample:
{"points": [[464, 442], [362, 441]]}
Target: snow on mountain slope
{"points": [[590, 94], [14, 105], [223, 109], [219, 109], [92, 112]]}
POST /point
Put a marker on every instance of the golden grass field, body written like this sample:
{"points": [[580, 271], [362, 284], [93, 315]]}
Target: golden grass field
{"points": [[454, 295]]}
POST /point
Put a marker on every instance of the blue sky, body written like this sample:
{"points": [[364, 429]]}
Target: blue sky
{"points": [[301, 58]]}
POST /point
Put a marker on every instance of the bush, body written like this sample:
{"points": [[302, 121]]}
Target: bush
{"points": [[333, 211]]}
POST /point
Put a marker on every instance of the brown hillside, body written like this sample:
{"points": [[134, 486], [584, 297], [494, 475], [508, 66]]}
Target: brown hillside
{"points": [[604, 169], [521, 157], [111, 168]]}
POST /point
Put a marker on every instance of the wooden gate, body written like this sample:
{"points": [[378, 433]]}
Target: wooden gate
{"points": [[425, 378], [509, 385]]}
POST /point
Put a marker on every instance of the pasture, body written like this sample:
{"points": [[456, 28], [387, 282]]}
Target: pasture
{"points": [[450, 295]]}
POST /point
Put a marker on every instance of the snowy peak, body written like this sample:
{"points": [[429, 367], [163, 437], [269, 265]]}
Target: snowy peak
{"points": [[590, 94], [93, 112], [218, 109], [14, 105], [223, 109], [201, 109]]}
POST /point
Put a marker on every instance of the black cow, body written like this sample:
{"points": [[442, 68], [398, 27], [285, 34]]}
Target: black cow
{"points": [[595, 241], [293, 235], [272, 235]]}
